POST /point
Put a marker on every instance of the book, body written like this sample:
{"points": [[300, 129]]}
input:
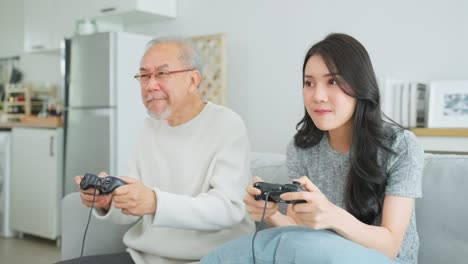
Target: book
{"points": [[413, 99], [397, 87], [418, 105], [422, 101], [387, 98], [404, 104]]}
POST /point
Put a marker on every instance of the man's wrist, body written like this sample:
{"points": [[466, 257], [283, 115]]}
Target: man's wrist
{"points": [[154, 204]]}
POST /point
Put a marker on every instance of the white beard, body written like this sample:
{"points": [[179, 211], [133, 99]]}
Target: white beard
{"points": [[164, 115]]}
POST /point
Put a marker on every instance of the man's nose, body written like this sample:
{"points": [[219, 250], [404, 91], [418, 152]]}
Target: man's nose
{"points": [[152, 84]]}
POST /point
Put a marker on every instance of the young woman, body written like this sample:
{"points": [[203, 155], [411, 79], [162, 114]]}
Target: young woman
{"points": [[361, 173]]}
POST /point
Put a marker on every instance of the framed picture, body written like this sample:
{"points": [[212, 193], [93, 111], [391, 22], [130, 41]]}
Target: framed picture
{"points": [[448, 105]]}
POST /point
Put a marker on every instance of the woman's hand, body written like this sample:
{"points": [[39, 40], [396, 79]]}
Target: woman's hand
{"points": [[318, 212], [255, 208]]}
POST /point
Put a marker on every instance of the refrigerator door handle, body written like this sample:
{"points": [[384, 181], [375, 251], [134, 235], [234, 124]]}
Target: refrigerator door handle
{"points": [[51, 146]]}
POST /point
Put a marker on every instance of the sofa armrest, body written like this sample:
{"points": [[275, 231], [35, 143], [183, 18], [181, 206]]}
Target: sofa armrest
{"points": [[103, 237]]}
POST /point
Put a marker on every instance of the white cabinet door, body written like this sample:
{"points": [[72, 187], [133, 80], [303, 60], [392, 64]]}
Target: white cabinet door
{"points": [[47, 22], [98, 8], [36, 21], [36, 182]]}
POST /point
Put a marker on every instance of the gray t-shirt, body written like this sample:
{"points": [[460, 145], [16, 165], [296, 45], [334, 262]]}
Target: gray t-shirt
{"points": [[328, 170]]}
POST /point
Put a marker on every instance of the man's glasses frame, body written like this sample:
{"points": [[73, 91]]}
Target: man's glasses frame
{"points": [[159, 75]]}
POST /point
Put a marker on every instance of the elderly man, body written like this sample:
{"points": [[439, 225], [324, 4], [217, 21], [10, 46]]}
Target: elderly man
{"points": [[188, 172]]}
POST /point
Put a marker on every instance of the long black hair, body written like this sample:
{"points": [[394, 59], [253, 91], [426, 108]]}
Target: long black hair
{"points": [[365, 184]]}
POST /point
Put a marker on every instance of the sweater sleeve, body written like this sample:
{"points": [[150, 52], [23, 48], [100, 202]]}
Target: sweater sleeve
{"points": [[406, 167], [222, 206]]}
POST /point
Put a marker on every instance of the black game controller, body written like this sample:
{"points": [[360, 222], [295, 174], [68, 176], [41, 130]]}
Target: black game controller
{"points": [[104, 185], [275, 190]]}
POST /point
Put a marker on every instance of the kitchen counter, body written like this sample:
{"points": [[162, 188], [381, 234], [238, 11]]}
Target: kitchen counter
{"points": [[34, 122]]}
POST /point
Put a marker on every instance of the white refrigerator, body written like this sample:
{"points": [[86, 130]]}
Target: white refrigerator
{"points": [[104, 110], [6, 230]]}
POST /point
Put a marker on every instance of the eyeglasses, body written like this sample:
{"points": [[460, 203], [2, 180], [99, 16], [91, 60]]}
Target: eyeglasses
{"points": [[159, 75]]}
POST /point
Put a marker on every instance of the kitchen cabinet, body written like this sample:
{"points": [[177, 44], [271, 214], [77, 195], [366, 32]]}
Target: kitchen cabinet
{"points": [[36, 182], [46, 23], [35, 25], [129, 11]]}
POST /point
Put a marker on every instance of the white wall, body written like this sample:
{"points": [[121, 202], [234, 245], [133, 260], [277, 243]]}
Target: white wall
{"points": [[267, 39]]}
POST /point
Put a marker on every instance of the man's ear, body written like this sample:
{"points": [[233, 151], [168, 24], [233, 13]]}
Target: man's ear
{"points": [[195, 80]]}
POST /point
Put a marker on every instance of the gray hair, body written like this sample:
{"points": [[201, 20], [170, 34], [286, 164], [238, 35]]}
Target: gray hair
{"points": [[187, 53]]}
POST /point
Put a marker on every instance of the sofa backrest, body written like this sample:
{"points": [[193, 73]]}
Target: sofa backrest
{"points": [[441, 215]]}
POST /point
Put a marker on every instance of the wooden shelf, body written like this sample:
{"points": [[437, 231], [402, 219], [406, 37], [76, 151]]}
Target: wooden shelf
{"points": [[25, 104], [19, 103], [440, 132]]}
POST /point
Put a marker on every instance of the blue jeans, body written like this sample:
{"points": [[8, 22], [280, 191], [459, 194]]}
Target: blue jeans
{"points": [[294, 244]]}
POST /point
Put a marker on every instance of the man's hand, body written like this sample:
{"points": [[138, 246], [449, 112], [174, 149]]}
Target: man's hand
{"points": [[100, 202], [134, 198]]}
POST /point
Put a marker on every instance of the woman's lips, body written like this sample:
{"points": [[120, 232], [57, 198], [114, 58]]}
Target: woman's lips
{"points": [[322, 111]]}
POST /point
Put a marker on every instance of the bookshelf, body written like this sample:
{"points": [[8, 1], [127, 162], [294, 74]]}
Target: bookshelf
{"points": [[441, 132], [443, 140]]}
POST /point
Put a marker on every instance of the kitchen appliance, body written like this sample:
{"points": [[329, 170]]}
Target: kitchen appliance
{"points": [[104, 110], [5, 183]]}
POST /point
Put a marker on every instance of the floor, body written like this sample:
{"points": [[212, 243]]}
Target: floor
{"points": [[30, 249]]}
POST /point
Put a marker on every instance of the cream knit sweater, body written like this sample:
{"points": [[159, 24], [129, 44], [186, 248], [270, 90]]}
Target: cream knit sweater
{"points": [[199, 171]]}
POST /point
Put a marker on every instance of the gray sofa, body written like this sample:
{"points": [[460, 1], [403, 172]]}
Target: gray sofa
{"points": [[442, 213]]}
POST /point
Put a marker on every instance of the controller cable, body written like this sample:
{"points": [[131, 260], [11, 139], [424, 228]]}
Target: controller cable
{"points": [[259, 226], [98, 184]]}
